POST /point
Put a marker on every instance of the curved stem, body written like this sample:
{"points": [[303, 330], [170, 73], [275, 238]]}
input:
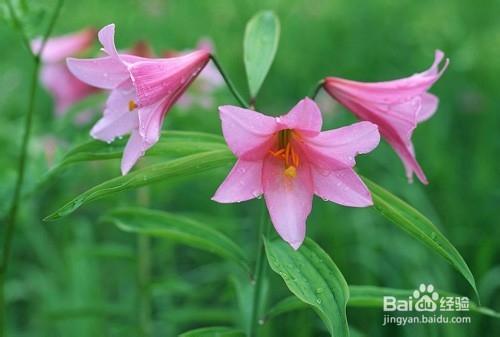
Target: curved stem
{"points": [[11, 219], [316, 89], [18, 25], [259, 274], [229, 83]]}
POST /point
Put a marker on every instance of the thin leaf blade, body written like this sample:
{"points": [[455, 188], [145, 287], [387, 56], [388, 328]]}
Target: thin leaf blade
{"points": [[175, 143], [213, 332], [366, 297], [312, 276], [420, 227], [177, 228], [260, 45], [185, 166]]}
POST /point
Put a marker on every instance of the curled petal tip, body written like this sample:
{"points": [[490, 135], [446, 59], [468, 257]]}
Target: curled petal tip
{"points": [[295, 245]]}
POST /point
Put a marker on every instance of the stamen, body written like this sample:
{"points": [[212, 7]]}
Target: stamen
{"points": [[286, 152], [131, 105], [295, 158], [277, 153]]}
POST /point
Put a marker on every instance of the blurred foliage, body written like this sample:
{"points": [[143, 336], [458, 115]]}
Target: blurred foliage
{"points": [[79, 277]]}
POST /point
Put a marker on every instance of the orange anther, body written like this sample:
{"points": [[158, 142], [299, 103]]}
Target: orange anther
{"points": [[131, 105]]}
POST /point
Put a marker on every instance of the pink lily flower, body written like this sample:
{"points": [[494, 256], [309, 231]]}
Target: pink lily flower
{"points": [[142, 92], [397, 107], [288, 160], [202, 91], [65, 88]]}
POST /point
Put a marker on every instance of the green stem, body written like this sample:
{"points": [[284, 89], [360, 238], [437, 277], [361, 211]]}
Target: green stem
{"points": [[259, 274], [18, 25], [11, 219], [144, 279], [229, 83], [316, 89]]}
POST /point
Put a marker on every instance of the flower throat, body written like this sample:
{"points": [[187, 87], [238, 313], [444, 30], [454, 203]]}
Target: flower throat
{"points": [[286, 153]]}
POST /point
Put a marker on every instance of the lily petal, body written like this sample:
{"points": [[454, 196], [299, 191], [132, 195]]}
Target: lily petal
{"points": [[151, 121], [289, 200], [156, 79], [104, 72], [395, 106], [244, 182], [58, 48], [343, 187], [336, 149], [134, 150], [429, 106], [390, 92], [305, 117], [247, 133], [107, 38]]}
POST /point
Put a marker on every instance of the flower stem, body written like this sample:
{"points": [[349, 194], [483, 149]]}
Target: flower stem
{"points": [[229, 83], [11, 219], [259, 274], [316, 89], [144, 279]]}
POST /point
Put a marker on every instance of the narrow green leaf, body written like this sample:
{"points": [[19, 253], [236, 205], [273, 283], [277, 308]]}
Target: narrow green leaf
{"points": [[174, 143], [181, 167], [214, 332], [418, 226], [313, 277], [177, 228], [366, 297], [260, 45]]}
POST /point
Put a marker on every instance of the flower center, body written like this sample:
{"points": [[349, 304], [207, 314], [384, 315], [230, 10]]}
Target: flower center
{"points": [[286, 153], [131, 105]]}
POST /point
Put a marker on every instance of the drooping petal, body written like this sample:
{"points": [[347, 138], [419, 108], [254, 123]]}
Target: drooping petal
{"points": [[58, 48], [389, 92], [111, 126], [118, 119], [289, 200], [407, 154], [160, 78], [103, 72], [429, 106], [397, 131], [244, 182], [395, 106], [247, 133], [336, 149], [134, 150], [305, 117], [343, 187], [151, 121]]}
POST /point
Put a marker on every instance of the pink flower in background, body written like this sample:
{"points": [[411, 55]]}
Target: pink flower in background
{"points": [[202, 91], [65, 88], [142, 92], [288, 160], [395, 106]]}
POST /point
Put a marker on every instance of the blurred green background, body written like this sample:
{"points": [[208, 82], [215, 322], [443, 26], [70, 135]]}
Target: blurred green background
{"points": [[78, 277]]}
